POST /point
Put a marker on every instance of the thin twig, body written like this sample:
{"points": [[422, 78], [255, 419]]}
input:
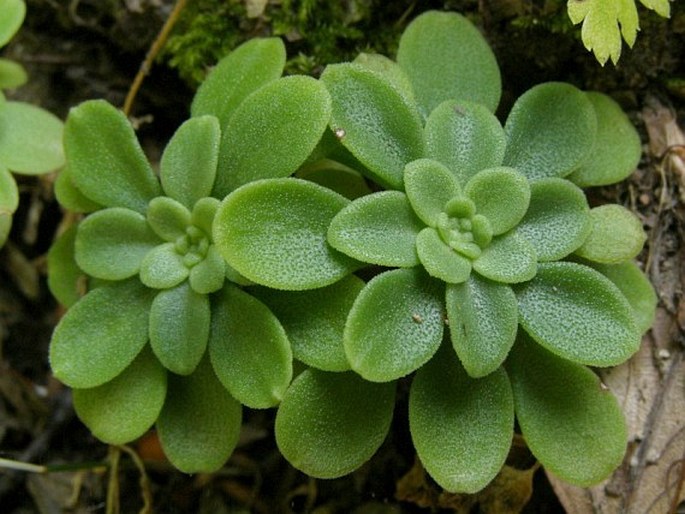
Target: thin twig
{"points": [[157, 45]]}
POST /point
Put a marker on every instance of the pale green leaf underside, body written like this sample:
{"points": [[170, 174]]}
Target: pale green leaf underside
{"points": [[429, 185], [12, 13], [124, 408], [63, 272], [188, 164], [570, 422], [579, 314], [272, 132], [461, 427], [163, 267], [557, 221], [501, 195], [395, 325], [465, 137], [243, 71], [446, 58], [111, 243], [374, 120], [483, 320], [274, 233], [69, 196], [249, 349], [379, 229], [616, 235], [12, 74], [509, 258], [329, 424], [200, 422], [617, 146], [570, 127], [439, 260], [101, 334], [314, 320], [30, 139], [179, 328], [106, 161]]}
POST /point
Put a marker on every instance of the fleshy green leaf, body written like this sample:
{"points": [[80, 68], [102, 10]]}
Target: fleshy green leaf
{"points": [[570, 128], [430, 185], [274, 233], [179, 328], [439, 260], [616, 235], [101, 334], [64, 274], [579, 314], [200, 421], [395, 325], [329, 424], [168, 218], [249, 349], [509, 258], [379, 229], [203, 214], [124, 408], [188, 164], [314, 320], [69, 196], [604, 22], [163, 267], [31, 141], [617, 147], [390, 70], [12, 13], [12, 74], [112, 243], [635, 286], [336, 177], [272, 132], [106, 161], [501, 195], [557, 221], [483, 320], [243, 71], [446, 58], [5, 226], [465, 137], [9, 194], [572, 424], [208, 276], [374, 121], [461, 427]]}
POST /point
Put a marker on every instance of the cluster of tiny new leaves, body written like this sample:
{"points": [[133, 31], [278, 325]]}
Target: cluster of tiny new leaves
{"points": [[494, 284]]}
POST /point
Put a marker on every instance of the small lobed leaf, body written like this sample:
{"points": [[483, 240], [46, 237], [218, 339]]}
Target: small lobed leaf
{"points": [[557, 221], [31, 141], [163, 267], [439, 260], [69, 196], [274, 233], [579, 314], [501, 195], [101, 334], [465, 137], [12, 14], [429, 185], [249, 349], [168, 218], [509, 258], [329, 424], [246, 69], [616, 235], [188, 164], [314, 320], [208, 276], [12, 74], [200, 422], [374, 121], [124, 408], [64, 275], [380, 228], [483, 321], [461, 427], [446, 58], [106, 161], [272, 132], [570, 128], [179, 328], [617, 147], [570, 422], [395, 325], [112, 243]]}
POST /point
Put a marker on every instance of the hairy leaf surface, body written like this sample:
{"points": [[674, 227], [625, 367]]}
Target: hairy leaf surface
{"points": [[429, 185], [616, 235], [509, 258]]}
